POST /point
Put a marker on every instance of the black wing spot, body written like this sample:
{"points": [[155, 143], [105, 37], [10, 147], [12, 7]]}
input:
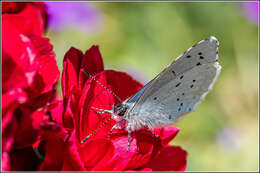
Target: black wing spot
{"points": [[199, 53], [183, 94], [194, 81], [177, 84], [178, 99], [181, 77], [201, 57], [188, 56], [174, 73], [179, 109], [181, 104], [155, 98], [191, 86], [198, 64]]}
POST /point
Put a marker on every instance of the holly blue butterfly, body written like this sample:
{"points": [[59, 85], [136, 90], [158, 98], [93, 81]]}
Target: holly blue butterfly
{"points": [[176, 91]]}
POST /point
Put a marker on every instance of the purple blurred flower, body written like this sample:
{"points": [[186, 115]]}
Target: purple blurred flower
{"points": [[250, 10], [80, 15]]}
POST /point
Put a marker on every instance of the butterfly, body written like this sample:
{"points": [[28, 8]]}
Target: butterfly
{"points": [[173, 93]]}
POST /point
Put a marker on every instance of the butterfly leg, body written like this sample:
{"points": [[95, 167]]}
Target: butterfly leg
{"points": [[116, 126], [103, 112], [150, 130], [103, 119], [95, 130], [129, 136]]}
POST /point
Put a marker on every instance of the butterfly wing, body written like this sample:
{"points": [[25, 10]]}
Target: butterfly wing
{"points": [[132, 100], [179, 88]]}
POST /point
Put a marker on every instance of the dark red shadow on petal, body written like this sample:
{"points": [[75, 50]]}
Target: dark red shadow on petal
{"points": [[11, 71], [12, 7], [23, 159], [25, 135], [170, 158]]}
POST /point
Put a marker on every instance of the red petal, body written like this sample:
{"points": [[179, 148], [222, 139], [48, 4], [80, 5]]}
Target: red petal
{"points": [[38, 101], [122, 84], [142, 144], [54, 155], [53, 148], [70, 112], [24, 55], [47, 69], [9, 127], [29, 18], [71, 67], [56, 111], [72, 160], [170, 158], [95, 151], [13, 98], [140, 150], [91, 62], [168, 133]]}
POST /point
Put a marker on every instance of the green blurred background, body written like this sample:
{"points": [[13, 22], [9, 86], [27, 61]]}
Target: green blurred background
{"points": [[143, 38]]}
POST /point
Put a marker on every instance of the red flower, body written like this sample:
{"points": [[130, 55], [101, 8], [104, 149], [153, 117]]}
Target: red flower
{"points": [[100, 153], [29, 74], [28, 17]]}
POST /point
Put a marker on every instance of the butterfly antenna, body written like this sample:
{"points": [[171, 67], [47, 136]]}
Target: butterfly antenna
{"points": [[83, 70], [104, 122]]}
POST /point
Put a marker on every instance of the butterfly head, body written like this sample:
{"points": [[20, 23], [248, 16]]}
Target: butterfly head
{"points": [[120, 109]]}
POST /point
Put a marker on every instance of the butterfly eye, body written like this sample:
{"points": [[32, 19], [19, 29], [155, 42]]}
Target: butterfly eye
{"points": [[121, 114], [120, 109]]}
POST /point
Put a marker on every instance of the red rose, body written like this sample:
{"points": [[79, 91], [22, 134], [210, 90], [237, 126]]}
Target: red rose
{"points": [[29, 74], [64, 151]]}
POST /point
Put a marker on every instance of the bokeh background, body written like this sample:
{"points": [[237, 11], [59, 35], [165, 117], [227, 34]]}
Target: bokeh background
{"points": [[142, 38]]}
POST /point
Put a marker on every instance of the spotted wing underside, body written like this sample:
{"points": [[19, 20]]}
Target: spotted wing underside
{"points": [[180, 87]]}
